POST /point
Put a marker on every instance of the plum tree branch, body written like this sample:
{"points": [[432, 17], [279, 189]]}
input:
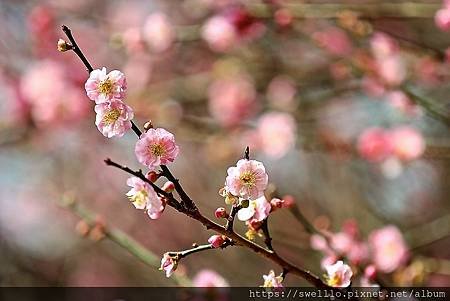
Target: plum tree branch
{"points": [[235, 237], [187, 206]]}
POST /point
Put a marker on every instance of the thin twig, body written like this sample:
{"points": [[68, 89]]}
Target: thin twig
{"points": [[201, 248], [230, 220], [75, 48], [267, 237], [238, 239]]}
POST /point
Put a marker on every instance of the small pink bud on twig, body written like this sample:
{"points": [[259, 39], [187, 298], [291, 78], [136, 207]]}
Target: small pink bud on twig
{"points": [[152, 176], [82, 228], [168, 187], [370, 272], [221, 213], [217, 240]]}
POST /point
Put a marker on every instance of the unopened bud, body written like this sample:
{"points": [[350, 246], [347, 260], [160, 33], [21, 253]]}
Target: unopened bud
{"points": [[148, 125], [97, 233], [276, 203], [82, 228], [168, 187], [152, 176], [63, 45], [254, 225], [221, 213], [217, 240], [370, 272]]}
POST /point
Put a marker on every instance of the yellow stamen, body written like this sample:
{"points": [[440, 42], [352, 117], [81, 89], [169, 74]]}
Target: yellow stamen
{"points": [[111, 116], [139, 199], [105, 86], [334, 281], [248, 178], [157, 150]]}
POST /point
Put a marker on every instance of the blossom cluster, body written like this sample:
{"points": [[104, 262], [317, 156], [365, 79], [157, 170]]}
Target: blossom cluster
{"points": [[107, 90], [390, 147], [384, 252]]}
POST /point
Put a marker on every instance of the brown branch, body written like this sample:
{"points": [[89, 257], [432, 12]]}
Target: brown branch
{"points": [[267, 237], [197, 249], [188, 206], [235, 237], [231, 216]]}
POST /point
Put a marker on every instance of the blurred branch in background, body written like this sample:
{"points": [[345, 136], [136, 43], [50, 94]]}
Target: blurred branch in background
{"points": [[366, 9], [120, 238]]}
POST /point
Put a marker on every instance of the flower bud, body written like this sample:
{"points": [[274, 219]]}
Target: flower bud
{"points": [[152, 176], [221, 213], [63, 45], [148, 125], [276, 203], [254, 224], [217, 240], [370, 272], [82, 228], [168, 186]]}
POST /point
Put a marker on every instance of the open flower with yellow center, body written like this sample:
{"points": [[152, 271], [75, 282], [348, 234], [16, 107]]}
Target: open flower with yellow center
{"points": [[113, 118], [156, 147], [339, 274], [247, 180], [102, 87], [143, 196], [257, 210], [271, 280]]}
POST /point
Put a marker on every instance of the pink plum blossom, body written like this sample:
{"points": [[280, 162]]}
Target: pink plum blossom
{"points": [[50, 95], [247, 26], [219, 34], [408, 143], [392, 69], [156, 147], [281, 92], [334, 40], [402, 102], [158, 32], [341, 242], [374, 144], [216, 241], [102, 87], [209, 278], [277, 133], [388, 248], [382, 45], [257, 210], [442, 18], [113, 118], [339, 274], [143, 196], [232, 100], [320, 243], [358, 253], [248, 179], [270, 280], [168, 264]]}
